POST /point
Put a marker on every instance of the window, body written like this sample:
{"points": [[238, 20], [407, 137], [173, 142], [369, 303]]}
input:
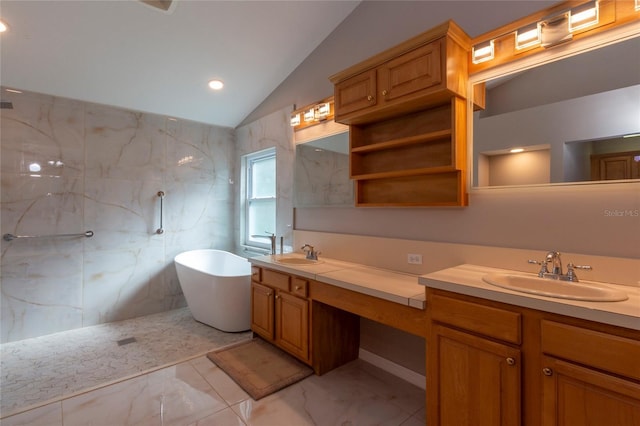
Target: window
{"points": [[260, 197]]}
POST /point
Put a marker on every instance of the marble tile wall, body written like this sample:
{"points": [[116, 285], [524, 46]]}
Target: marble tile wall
{"points": [[100, 169], [273, 130]]}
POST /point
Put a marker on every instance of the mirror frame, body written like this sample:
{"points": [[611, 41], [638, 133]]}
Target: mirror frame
{"points": [[601, 39]]}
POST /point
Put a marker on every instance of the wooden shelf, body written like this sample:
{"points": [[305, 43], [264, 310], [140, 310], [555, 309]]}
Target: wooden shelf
{"points": [[406, 110], [407, 172], [406, 141]]}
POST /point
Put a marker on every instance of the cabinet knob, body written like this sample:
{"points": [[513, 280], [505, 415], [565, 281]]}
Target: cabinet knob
{"points": [[384, 92], [277, 296], [369, 98], [511, 361], [298, 287], [547, 371]]}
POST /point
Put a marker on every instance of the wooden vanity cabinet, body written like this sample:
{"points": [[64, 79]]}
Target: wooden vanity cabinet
{"points": [[406, 111], [473, 363], [589, 377], [280, 311], [283, 313], [498, 364]]}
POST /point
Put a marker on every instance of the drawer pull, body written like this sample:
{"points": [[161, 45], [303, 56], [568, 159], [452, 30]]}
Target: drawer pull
{"points": [[369, 98], [511, 361], [547, 371], [384, 92]]}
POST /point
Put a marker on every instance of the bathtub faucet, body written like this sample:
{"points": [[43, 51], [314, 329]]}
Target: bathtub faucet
{"points": [[272, 237]]}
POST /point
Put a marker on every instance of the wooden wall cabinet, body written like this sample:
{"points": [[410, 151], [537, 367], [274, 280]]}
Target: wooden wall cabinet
{"points": [[490, 363], [421, 72], [282, 313], [406, 111]]}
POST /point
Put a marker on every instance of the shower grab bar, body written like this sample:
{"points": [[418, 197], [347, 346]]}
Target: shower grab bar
{"points": [[11, 237], [160, 230]]}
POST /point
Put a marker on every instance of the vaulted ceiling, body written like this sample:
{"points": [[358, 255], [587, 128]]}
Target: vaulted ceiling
{"points": [[130, 54]]}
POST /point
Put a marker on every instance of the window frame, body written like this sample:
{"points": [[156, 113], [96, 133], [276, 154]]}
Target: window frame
{"points": [[247, 173]]}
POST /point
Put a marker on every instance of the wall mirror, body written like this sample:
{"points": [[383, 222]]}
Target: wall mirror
{"points": [[574, 118], [321, 172]]}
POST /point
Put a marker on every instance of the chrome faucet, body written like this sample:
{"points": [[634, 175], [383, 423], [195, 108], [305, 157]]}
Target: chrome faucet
{"points": [[553, 258], [271, 237], [311, 253]]}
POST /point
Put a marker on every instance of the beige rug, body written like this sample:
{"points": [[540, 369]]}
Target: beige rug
{"points": [[259, 367]]}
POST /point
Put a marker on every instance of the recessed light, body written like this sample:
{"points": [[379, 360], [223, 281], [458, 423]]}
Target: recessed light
{"points": [[216, 84]]}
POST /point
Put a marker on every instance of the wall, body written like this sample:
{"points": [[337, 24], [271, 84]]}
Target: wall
{"points": [[270, 131], [111, 164]]}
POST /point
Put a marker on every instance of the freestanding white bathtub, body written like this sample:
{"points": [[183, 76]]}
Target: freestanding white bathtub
{"points": [[217, 286]]}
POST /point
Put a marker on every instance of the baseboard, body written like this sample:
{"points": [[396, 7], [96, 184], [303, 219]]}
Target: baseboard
{"points": [[393, 368]]}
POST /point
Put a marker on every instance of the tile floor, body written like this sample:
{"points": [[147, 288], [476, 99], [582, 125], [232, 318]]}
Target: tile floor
{"points": [[82, 377]]}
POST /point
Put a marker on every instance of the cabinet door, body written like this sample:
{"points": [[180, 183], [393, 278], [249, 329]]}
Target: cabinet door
{"points": [[292, 324], [415, 71], [574, 395], [355, 93], [262, 313], [471, 380]]}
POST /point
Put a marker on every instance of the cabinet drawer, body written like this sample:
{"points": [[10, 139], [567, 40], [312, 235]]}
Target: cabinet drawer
{"points": [[607, 352], [299, 286], [489, 321], [275, 279], [255, 274]]}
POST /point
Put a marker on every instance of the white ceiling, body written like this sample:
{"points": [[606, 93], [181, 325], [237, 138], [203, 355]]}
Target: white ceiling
{"points": [[131, 55]]}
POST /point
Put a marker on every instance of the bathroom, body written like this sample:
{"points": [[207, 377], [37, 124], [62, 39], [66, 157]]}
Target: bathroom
{"points": [[117, 160]]}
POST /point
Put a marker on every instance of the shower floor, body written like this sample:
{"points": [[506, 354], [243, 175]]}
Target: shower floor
{"points": [[48, 368]]}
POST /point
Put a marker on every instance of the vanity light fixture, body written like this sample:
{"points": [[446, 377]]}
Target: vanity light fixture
{"points": [[516, 150], [483, 52], [310, 115], [216, 84], [632, 135], [584, 16], [3, 27], [13, 91], [295, 120], [528, 36], [322, 111]]}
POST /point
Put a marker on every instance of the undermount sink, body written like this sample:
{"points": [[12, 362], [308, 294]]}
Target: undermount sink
{"points": [[588, 291], [300, 261]]}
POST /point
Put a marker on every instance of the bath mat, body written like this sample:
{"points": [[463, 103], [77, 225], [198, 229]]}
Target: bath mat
{"points": [[259, 367]]}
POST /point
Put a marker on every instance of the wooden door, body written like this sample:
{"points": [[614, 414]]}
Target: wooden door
{"points": [[355, 94], [622, 165], [471, 380], [411, 72], [292, 324], [574, 396], [262, 312]]}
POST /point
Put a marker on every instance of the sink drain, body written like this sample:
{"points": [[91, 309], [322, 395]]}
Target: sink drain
{"points": [[126, 341]]}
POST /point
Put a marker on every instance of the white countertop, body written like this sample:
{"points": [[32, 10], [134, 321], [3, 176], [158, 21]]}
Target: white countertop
{"points": [[389, 285], [467, 279]]}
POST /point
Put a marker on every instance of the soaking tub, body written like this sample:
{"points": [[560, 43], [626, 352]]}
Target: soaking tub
{"points": [[217, 286]]}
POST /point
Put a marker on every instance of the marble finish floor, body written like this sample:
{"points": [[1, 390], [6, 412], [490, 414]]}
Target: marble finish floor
{"points": [[194, 391], [35, 371]]}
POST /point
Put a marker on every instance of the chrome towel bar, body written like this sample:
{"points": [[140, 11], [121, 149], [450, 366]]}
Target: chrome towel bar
{"points": [[10, 237]]}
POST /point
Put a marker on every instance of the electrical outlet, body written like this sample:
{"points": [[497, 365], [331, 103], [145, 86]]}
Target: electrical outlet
{"points": [[414, 259]]}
